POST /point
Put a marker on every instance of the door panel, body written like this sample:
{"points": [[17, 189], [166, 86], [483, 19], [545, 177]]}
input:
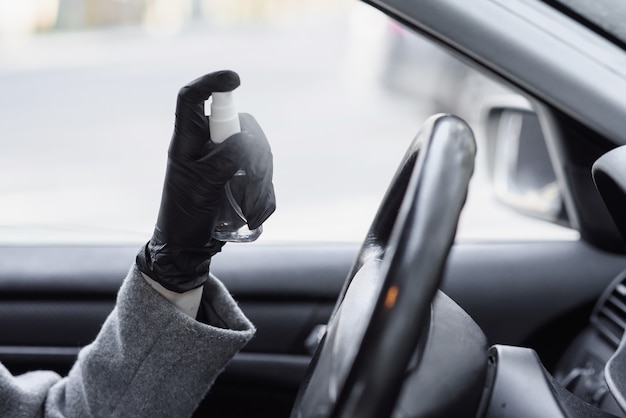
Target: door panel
{"points": [[54, 299]]}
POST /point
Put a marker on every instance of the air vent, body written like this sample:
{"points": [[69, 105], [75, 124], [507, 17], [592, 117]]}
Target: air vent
{"points": [[609, 315]]}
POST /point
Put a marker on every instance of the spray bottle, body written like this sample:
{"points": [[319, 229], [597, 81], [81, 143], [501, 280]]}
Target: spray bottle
{"points": [[232, 225]]}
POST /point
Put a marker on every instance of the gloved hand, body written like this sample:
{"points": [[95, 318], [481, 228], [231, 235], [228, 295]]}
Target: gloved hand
{"points": [[179, 253]]}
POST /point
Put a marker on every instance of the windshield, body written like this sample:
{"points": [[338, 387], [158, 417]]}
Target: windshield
{"points": [[607, 15], [88, 97]]}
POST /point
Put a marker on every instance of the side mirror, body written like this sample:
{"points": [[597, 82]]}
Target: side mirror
{"points": [[519, 163]]}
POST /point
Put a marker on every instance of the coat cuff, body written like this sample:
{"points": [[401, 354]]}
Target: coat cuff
{"points": [[151, 359]]}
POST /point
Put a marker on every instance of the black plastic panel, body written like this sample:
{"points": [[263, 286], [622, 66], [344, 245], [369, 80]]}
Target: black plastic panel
{"points": [[514, 289]]}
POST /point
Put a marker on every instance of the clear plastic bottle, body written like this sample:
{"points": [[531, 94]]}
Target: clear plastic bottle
{"points": [[224, 122]]}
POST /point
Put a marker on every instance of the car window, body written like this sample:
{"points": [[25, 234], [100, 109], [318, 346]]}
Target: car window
{"points": [[88, 96], [602, 15]]}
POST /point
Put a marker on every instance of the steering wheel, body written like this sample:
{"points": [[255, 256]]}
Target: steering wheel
{"points": [[383, 311]]}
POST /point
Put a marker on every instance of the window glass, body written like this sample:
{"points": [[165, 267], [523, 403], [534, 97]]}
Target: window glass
{"points": [[89, 90], [607, 15]]}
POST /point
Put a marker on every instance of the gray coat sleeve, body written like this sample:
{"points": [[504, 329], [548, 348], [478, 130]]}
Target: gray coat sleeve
{"points": [[149, 360]]}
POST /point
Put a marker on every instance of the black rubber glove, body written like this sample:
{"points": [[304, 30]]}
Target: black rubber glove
{"points": [[179, 253]]}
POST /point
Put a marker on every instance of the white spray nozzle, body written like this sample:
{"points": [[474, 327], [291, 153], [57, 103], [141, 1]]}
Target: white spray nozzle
{"points": [[224, 120]]}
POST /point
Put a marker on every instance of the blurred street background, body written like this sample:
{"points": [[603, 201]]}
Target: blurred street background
{"points": [[88, 90]]}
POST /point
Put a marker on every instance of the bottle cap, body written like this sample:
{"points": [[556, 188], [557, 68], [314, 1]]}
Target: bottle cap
{"points": [[224, 120]]}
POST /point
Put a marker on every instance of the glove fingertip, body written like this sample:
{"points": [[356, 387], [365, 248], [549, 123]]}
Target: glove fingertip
{"points": [[259, 214]]}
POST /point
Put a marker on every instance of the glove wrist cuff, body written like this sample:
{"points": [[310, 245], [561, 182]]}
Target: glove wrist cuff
{"points": [[176, 269]]}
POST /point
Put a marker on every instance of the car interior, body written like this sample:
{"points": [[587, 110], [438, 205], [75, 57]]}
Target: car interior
{"points": [[414, 321]]}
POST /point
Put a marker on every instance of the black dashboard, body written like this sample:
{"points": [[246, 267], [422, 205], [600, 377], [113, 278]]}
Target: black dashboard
{"points": [[582, 368]]}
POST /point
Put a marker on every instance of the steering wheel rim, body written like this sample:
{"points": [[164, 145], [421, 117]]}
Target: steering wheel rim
{"points": [[395, 277]]}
